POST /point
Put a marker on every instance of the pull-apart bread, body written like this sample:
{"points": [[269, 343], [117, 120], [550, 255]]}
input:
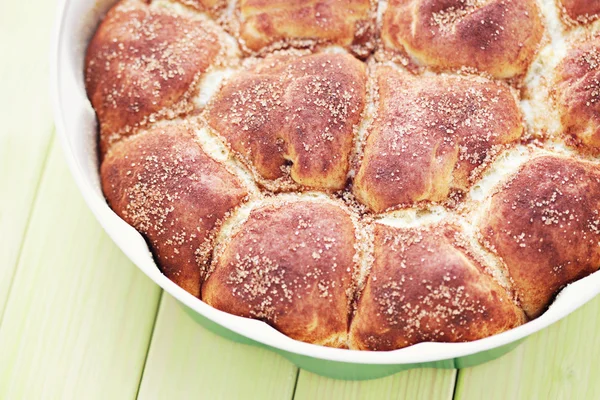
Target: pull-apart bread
{"points": [[356, 174]]}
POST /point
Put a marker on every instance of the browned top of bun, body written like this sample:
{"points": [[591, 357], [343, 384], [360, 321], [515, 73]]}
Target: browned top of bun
{"points": [[425, 286], [433, 136], [545, 226], [580, 11], [294, 110], [499, 37], [289, 264], [577, 93], [302, 23], [142, 64], [163, 184]]}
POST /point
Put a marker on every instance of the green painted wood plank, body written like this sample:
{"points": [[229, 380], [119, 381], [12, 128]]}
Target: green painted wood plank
{"points": [[79, 319], [26, 126], [426, 384], [561, 362], [187, 361]]}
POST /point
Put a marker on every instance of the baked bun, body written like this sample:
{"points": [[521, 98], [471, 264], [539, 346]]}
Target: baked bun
{"points": [[544, 224], [162, 183], [426, 286], [294, 117], [290, 264], [500, 37], [577, 93], [348, 185], [266, 24], [144, 63], [580, 11], [433, 137]]}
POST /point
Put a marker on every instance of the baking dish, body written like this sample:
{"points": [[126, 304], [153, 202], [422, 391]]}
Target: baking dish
{"points": [[76, 127]]}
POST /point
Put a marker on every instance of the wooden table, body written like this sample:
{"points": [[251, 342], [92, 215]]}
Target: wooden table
{"points": [[80, 321]]}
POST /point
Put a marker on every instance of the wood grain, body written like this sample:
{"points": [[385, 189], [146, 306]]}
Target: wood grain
{"points": [[79, 318], [187, 361], [26, 122], [426, 384], [560, 362]]}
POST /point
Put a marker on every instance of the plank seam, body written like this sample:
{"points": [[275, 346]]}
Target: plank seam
{"points": [[454, 390], [298, 369], [32, 207], [141, 378]]}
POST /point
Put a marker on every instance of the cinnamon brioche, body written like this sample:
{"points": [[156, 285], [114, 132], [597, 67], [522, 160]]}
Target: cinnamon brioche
{"points": [[356, 174], [163, 184], [294, 111], [275, 24], [290, 264], [499, 37], [577, 93], [580, 11], [143, 64], [433, 137], [544, 224], [425, 286], [213, 7]]}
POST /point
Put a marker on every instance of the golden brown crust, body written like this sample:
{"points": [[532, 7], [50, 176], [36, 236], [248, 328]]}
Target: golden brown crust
{"points": [[298, 110], [500, 37], [544, 224], [290, 265], [433, 137], [425, 286], [577, 93], [268, 23], [579, 11], [142, 64], [163, 184]]}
